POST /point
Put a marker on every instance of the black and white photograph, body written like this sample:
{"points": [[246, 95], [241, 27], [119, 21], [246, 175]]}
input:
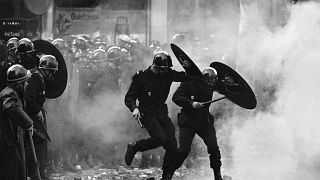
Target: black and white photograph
{"points": [[159, 89]]}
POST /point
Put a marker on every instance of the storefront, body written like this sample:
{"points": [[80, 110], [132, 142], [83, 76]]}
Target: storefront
{"points": [[109, 19]]}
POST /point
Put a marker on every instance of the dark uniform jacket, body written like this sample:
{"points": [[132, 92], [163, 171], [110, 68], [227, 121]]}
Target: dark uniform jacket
{"points": [[35, 93], [185, 95], [151, 89], [13, 120], [35, 98]]}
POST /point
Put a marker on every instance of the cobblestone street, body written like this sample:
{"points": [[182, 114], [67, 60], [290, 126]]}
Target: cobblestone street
{"points": [[133, 174]]}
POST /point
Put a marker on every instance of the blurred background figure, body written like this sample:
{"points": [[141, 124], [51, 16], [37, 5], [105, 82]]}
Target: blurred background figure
{"points": [[178, 39], [155, 46], [12, 45], [121, 30]]}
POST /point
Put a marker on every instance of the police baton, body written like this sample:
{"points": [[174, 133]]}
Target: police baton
{"points": [[138, 119], [34, 153], [42, 126], [45, 131], [215, 100]]}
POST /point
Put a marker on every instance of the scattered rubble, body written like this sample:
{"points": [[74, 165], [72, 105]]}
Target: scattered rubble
{"points": [[126, 173]]}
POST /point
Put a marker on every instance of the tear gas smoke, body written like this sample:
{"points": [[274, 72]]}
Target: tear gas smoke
{"points": [[280, 141]]}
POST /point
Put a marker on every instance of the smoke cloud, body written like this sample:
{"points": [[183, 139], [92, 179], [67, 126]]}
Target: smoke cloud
{"points": [[280, 141]]}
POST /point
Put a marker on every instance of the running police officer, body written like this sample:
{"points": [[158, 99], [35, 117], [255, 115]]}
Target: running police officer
{"points": [[195, 118], [151, 88]]}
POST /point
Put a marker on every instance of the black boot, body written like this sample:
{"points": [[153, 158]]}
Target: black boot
{"points": [[217, 175], [166, 176], [131, 152]]}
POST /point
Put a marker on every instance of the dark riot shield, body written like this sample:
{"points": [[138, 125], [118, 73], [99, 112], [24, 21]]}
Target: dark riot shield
{"points": [[234, 87], [56, 88], [185, 61]]}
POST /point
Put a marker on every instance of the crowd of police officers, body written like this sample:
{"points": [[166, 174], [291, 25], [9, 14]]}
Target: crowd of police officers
{"points": [[23, 153], [100, 67], [23, 95]]}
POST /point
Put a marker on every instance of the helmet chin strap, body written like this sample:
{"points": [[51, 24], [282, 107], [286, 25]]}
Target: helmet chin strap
{"points": [[45, 74], [153, 69], [42, 73]]}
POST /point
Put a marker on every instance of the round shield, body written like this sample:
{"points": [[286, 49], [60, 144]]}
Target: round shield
{"points": [[234, 87], [56, 88], [38, 6], [185, 61]]}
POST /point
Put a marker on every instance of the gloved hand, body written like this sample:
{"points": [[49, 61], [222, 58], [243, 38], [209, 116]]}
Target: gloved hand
{"points": [[30, 130], [38, 134], [39, 116], [136, 113], [197, 105]]}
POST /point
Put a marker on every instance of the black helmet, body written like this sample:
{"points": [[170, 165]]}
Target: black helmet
{"points": [[162, 58], [114, 53], [97, 39], [80, 43], [25, 46], [12, 43], [178, 39], [48, 62], [100, 44], [99, 54], [16, 73], [155, 44], [59, 43], [210, 75]]}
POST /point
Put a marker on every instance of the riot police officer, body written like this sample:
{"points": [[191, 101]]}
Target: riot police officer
{"points": [[195, 118], [178, 39], [13, 122], [155, 46], [60, 44], [115, 58], [79, 45], [100, 45], [109, 79], [12, 45], [151, 88], [8, 58], [35, 98], [99, 55], [98, 68], [27, 54]]}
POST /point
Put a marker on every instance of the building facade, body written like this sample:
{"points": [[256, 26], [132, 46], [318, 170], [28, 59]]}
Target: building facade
{"points": [[145, 20]]}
